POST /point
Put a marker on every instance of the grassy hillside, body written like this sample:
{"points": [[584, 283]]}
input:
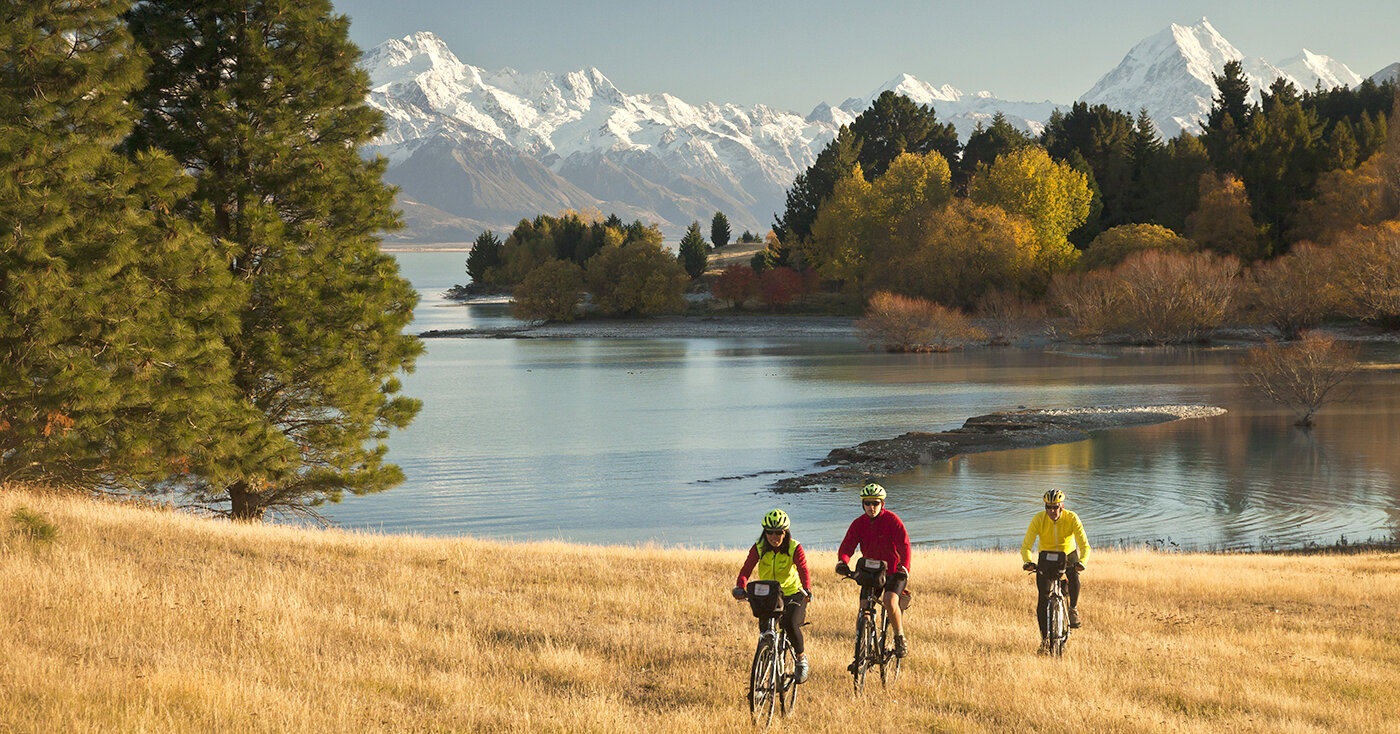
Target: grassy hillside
{"points": [[142, 620]]}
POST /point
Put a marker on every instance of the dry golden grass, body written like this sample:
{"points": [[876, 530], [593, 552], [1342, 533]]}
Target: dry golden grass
{"points": [[138, 620]]}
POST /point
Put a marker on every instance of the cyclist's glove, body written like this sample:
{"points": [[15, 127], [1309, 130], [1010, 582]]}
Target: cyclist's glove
{"points": [[842, 568], [1028, 567], [901, 574], [737, 592], [1078, 566], [809, 595]]}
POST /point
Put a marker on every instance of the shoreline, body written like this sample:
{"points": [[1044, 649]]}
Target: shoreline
{"points": [[1031, 428], [668, 327]]}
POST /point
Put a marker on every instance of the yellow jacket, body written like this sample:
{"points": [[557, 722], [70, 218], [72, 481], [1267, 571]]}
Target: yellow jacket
{"points": [[1062, 535]]}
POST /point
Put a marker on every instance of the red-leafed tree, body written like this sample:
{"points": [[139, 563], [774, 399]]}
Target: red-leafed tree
{"points": [[779, 286], [736, 284]]}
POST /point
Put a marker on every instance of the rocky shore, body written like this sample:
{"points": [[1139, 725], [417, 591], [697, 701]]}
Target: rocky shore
{"points": [[873, 460]]}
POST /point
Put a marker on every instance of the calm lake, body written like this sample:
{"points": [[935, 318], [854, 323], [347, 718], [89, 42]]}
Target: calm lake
{"points": [[676, 441]]}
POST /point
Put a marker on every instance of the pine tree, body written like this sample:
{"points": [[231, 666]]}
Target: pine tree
{"points": [[111, 310], [262, 102], [692, 251], [485, 254], [719, 230]]}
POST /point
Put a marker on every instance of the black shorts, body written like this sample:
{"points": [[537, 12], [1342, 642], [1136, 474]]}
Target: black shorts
{"points": [[895, 583]]}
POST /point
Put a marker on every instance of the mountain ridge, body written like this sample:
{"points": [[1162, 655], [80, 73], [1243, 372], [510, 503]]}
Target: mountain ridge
{"points": [[488, 148]]}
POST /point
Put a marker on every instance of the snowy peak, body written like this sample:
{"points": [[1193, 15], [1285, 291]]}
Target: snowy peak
{"points": [[1172, 74], [407, 58], [1307, 70], [1388, 74]]}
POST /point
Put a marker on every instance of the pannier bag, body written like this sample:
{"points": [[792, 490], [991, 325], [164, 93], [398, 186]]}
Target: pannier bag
{"points": [[1052, 562], [765, 598], [870, 572]]}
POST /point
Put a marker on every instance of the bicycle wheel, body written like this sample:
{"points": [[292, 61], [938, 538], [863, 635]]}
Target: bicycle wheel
{"points": [[889, 662], [787, 677], [864, 631], [762, 696], [1059, 625]]}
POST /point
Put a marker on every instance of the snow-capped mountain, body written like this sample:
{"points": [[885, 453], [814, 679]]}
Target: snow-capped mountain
{"points": [[473, 149], [1171, 74], [498, 146], [1388, 74]]}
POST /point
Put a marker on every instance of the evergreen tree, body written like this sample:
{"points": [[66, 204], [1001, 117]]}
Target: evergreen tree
{"points": [[485, 254], [691, 252], [1103, 138], [1228, 119], [111, 309], [895, 125], [262, 102], [986, 143], [719, 230], [813, 186]]}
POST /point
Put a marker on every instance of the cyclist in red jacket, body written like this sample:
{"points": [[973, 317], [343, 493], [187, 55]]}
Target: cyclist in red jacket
{"points": [[880, 535]]}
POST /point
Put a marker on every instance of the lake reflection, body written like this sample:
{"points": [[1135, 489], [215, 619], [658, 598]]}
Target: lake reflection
{"points": [[675, 441]]}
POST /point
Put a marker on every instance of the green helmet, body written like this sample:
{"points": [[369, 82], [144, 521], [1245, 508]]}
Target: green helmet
{"points": [[1054, 497], [776, 520], [872, 492]]}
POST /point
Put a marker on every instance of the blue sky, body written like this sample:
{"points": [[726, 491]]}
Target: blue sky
{"points": [[793, 55]]}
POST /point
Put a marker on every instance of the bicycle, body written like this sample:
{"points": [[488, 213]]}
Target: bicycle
{"points": [[773, 675], [872, 648], [1054, 564]]}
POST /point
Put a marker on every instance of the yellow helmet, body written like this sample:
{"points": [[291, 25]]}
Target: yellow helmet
{"points": [[872, 491], [1054, 497], [776, 520]]}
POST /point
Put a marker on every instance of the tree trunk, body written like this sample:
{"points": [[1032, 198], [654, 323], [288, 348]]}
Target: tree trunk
{"points": [[246, 504]]}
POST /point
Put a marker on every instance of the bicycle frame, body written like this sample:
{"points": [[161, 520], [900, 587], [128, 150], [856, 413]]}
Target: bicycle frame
{"points": [[872, 639], [772, 677], [1056, 607]]}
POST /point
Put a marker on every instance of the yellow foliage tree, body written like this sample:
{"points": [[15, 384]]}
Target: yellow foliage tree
{"points": [[1114, 245], [1221, 221], [1053, 196], [956, 252], [860, 217]]}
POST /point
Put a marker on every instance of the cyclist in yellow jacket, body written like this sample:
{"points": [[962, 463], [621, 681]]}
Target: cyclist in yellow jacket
{"points": [[1057, 529], [776, 556]]}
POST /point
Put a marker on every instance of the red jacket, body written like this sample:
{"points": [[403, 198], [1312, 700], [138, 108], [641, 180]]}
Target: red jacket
{"points": [[882, 537]]}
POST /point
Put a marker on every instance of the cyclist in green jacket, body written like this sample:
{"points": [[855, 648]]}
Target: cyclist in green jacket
{"points": [[1057, 529], [776, 556]]}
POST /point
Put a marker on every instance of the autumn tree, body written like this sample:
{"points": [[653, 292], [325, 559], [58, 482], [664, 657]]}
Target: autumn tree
{"points": [[1115, 245], [1303, 376], [1293, 292], [1368, 273], [736, 284], [1221, 221], [550, 292], [897, 323], [779, 286], [636, 279], [892, 126], [1053, 196], [861, 216], [263, 104]]}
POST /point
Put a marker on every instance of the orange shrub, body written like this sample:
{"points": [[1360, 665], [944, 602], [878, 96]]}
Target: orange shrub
{"points": [[898, 323]]}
